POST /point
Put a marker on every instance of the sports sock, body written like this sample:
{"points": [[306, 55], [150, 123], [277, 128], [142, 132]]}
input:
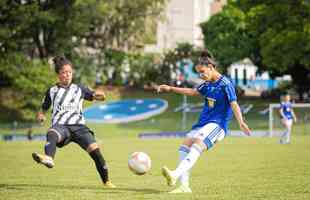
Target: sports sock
{"points": [[50, 146], [188, 162], [288, 135], [100, 164], [184, 178]]}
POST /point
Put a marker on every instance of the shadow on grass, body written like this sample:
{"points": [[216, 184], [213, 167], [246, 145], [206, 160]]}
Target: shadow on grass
{"points": [[76, 187]]}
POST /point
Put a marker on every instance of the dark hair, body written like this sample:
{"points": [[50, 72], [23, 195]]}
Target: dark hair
{"points": [[59, 62], [206, 58]]}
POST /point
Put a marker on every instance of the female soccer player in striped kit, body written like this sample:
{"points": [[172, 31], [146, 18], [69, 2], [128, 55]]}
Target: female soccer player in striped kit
{"points": [[287, 115], [68, 124], [220, 102]]}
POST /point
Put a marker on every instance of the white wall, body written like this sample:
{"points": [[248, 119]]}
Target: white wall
{"points": [[182, 23]]}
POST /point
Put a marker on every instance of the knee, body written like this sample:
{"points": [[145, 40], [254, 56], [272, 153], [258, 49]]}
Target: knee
{"points": [[92, 147], [187, 142], [200, 145], [53, 134]]}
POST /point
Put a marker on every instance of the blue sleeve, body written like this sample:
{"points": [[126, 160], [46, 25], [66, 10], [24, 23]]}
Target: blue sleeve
{"points": [[200, 88], [230, 92], [88, 94]]}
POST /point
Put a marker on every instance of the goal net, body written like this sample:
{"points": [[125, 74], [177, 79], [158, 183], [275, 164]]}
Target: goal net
{"points": [[302, 112]]}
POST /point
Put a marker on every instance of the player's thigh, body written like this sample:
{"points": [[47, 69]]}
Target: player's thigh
{"points": [[84, 137], [287, 123], [62, 132], [209, 134]]}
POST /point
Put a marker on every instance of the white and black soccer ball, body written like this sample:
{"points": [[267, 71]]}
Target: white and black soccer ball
{"points": [[139, 163]]}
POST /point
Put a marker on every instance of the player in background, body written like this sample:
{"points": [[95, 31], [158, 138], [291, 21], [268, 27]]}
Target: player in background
{"points": [[220, 102], [287, 116], [68, 124]]}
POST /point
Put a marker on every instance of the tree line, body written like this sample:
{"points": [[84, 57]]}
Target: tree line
{"points": [[275, 35]]}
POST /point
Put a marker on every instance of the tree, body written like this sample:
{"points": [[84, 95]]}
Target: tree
{"points": [[226, 37], [282, 31], [31, 31], [28, 80], [45, 28], [120, 24], [274, 34], [40, 28]]}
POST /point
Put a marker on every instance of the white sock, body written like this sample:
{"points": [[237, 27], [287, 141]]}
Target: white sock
{"points": [[288, 136], [184, 178], [188, 162]]}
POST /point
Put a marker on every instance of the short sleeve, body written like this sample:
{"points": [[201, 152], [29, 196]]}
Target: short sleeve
{"points": [[88, 94], [47, 101], [230, 92], [200, 88]]}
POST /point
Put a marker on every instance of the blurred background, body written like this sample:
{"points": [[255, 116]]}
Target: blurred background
{"points": [[127, 47]]}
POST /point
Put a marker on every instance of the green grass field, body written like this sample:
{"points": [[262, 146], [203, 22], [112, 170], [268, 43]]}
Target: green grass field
{"points": [[237, 168]]}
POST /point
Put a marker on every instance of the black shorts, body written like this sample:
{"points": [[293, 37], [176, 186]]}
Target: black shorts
{"points": [[79, 134]]}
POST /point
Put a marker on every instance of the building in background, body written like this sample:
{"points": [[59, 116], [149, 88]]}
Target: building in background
{"points": [[181, 23], [245, 75]]}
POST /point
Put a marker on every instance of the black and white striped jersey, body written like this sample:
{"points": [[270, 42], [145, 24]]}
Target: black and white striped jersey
{"points": [[67, 103]]}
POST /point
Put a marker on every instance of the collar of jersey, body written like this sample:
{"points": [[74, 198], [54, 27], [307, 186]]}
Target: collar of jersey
{"points": [[215, 82], [63, 86]]}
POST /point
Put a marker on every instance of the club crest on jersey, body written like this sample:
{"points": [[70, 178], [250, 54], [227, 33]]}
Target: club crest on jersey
{"points": [[211, 102]]}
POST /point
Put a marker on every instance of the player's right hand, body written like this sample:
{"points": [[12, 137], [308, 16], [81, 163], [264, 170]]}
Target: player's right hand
{"points": [[164, 88], [41, 117], [244, 127]]}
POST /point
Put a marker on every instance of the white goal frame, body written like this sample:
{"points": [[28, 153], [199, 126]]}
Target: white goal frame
{"points": [[277, 105]]}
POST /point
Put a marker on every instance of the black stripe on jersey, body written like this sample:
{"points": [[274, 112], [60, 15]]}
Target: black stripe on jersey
{"points": [[62, 99], [75, 93], [68, 119], [64, 95], [58, 120], [78, 120]]}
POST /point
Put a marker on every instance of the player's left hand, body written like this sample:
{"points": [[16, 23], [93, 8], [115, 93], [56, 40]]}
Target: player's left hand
{"points": [[99, 95], [244, 127]]}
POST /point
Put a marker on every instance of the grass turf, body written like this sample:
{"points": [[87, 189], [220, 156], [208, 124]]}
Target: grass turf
{"points": [[237, 168]]}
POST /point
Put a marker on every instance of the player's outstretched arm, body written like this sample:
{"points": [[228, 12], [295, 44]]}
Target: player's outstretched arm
{"points": [[237, 112], [179, 90], [46, 104]]}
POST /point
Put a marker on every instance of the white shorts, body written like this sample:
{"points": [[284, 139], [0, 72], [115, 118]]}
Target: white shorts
{"points": [[209, 134], [287, 122]]}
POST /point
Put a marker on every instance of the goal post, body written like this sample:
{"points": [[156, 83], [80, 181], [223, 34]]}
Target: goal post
{"points": [[302, 114]]}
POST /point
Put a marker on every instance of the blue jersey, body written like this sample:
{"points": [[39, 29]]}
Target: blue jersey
{"points": [[286, 108], [218, 96]]}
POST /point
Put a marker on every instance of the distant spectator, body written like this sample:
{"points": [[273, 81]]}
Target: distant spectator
{"points": [[29, 134]]}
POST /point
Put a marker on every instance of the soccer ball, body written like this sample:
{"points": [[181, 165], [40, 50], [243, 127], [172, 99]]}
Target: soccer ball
{"points": [[139, 163]]}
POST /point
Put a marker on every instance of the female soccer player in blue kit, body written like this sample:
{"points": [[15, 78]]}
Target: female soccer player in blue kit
{"points": [[220, 102], [287, 115]]}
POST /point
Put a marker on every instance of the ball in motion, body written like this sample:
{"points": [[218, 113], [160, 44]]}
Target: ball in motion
{"points": [[139, 163]]}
